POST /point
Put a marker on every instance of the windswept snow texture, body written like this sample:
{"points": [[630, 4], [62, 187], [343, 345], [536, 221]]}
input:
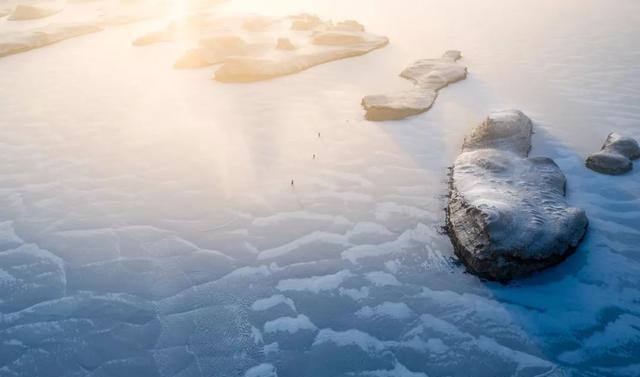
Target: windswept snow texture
{"points": [[148, 225]]}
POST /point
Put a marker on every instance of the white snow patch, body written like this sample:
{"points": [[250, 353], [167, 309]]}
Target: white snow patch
{"points": [[384, 211], [355, 294], [381, 278], [270, 302], [8, 234], [350, 338], [256, 335], [262, 370], [398, 370], [395, 310], [420, 234], [326, 237], [271, 348], [289, 324], [299, 215], [365, 227], [315, 284]]}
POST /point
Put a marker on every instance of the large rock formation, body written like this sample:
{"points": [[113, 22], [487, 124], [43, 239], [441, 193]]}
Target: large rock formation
{"points": [[615, 156], [251, 68], [428, 76], [31, 12], [303, 41], [507, 214], [214, 50]]}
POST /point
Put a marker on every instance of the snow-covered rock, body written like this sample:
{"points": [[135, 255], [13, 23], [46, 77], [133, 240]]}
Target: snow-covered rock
{"points": [[429, 76], [213, 50], [507, 214], [347, 25], [304, 41], [17, 42], [305, 22], [255, 68], [615, 156], [285, 44], [338, 38], [24, 12], [259, 24]]}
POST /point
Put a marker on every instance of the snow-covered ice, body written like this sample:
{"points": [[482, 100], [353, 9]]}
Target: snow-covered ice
{"points": [[149, 226]]}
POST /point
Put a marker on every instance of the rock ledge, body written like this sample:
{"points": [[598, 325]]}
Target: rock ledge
{"points": [[428, 76]]}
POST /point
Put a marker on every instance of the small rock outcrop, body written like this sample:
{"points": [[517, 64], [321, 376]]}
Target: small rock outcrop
{"points": [[507, 214], [329, 45], [214, 50], [259, 24], [428, 76], [17, 42], [305, 41], [284, 44], [347, 25], [615, 156], [305, 22], [30, 12]]}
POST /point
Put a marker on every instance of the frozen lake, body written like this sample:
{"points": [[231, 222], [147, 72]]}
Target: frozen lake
{"points": [[148, 225]]}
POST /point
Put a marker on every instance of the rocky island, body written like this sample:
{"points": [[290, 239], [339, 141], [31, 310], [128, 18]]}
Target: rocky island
{"points": [[507, 214]]}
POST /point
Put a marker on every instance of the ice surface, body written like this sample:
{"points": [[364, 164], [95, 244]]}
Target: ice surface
{"points": [[136, 200]]}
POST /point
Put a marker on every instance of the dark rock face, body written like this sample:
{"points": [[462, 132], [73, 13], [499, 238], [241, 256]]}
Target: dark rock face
{"points": [[428, 76], [507, 214], [615, 156]]}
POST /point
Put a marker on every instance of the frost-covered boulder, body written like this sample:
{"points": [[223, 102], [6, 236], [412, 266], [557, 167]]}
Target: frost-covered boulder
{"points": [[507, 214], [398, 105], [428, 76], [31, 12], [615, 156]]}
